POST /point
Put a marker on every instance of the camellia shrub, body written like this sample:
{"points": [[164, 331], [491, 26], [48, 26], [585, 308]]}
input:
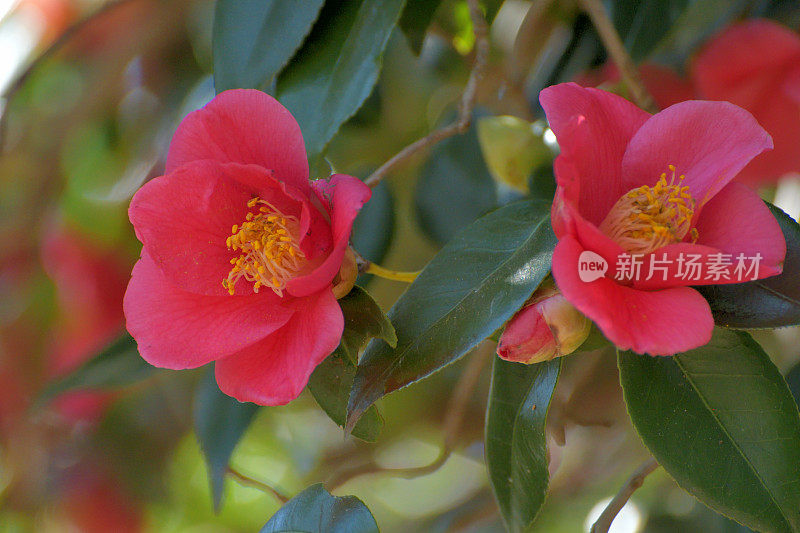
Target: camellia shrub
{"points": [[591, 318]]}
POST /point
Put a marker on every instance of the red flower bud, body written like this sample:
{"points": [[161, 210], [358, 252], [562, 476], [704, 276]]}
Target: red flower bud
{"points": [[547, 327]]}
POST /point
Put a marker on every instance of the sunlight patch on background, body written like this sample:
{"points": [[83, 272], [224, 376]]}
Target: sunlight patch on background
{"points": [[629, 519], [19, 34]]}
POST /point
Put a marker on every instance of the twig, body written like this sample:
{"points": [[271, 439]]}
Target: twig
{"points": [[247, 480], [374, 468], [615, 505], [51, 50], [465, 109], [455, 415], [613, 44]]}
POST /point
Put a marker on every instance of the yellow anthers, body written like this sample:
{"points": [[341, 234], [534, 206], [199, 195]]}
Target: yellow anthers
{"points": [[647, 218], [269, 254]]}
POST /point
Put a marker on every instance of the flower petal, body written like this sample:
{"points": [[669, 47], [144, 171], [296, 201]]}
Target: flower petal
{"points": [[243, 126], [661, 322], [709, 142], [184, 219], [178, 329], [733, 67], [593, 128], [738, 221], [275, 370], [722, 229], [342, 198]]}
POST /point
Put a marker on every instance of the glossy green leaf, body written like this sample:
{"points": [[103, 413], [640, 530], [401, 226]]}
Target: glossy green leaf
{"points": [[766, 303], [454, 187], [118, 365], [414, 22], [315, 510], [721, 420], [331, 381], [219, 423], [333, 73], [373, 228], [698, 21], [642, 24], [463, 295], [793, 380], [516, 451], [254, 39]]}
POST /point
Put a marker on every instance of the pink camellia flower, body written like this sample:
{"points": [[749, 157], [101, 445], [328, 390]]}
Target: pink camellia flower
{"points": [[547, 326], [663, 83], [645, 207], [241, 251], [756, 65]]}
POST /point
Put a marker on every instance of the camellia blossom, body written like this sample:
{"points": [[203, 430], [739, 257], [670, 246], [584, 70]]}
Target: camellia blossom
{"points": [[756, 65], [241, 251], [657, 190]]}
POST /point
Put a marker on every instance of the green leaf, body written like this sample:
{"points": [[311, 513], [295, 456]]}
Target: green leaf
{"points": [[516, 451], [331, 381], [793, 380], [118, 365], [414, 22], [253, 39], [698, 21], [463, 295], [766, 303], [512, 149], [454, 187], [373, 228], [721, 420], [219, 423], [315, 510], [334, 71], [642, 24]]}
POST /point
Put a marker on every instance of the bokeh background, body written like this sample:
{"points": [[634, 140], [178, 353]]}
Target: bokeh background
{"points": [[92, 91]]}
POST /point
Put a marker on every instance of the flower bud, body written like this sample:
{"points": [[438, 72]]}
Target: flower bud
{"points": [[547, 326]]}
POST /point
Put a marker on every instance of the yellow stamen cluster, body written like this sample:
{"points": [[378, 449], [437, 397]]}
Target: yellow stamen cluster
{"points": [[269, 254], [647, 218]]}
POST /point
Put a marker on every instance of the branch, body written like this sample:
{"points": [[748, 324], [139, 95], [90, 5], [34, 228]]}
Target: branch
{"points": [[465, 109], [614, 506], [247, 480], [615, 48]]}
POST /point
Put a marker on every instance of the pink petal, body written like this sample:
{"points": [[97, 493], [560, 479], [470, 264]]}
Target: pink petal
{"points": [[737, 221], [179, 329], [593, 128], [243, 126], [275, 370], [342, 198], [733, 67], [709, 142], [184, 219], [722, 228], [661, 322]]}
